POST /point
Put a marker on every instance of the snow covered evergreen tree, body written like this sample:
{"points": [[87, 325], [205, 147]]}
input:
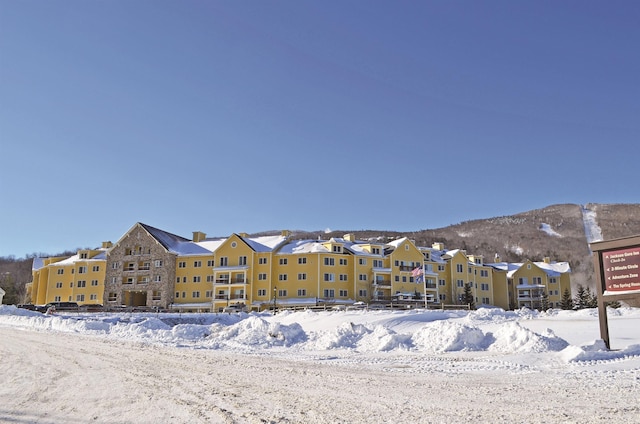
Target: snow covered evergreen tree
{"points": [[467, 296]]}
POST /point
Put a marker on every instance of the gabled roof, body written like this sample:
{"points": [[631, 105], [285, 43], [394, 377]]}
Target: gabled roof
{"points": [[174, 243], [553, 269], [265, 243]]}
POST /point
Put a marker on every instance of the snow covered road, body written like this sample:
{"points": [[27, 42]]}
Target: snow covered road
{"points": [[50, 377]]}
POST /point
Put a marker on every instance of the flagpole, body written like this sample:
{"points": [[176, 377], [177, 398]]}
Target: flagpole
{"points": [[424, 281]]}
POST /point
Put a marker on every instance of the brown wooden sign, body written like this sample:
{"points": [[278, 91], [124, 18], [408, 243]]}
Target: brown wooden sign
{"points": [[617, 266], [621, 270]]}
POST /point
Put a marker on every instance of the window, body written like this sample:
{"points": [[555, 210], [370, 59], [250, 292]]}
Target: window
{"points": [[177, 279], [283, 261], [302, 261], [242, 260], [195, 294], [459, 268], [197, 264], [485, 300], [362, 277], [93, 297], [484, 286], [177, 295], [112, 297], [343, 261], [537, 280], [58, 285], [157, 278], [397, 278], [484, 273], [224, 261], [362, 293], [262, 261], [71, 285], [404, 278], [362, 261], [343, 293], [377, 263], [80, 298], [329, 261], [96, 268], [196, 278], [282, 293], [209, 278], [375, 250], [460, 283], [343, 277], [302, 292], [156, 295], [114, 280], [302, 276], [442, 297], [262, 276], [210, 263], [82, 270], [57, 299], [442, 282], [60, 271], [406, 247], [184, 294], [208, 294], [115, 265], [337, 249], [329, 293], [262, 292], [82, 283], [553, 280], [440, 267], [329, 277], [234, 244], [83, 256], [282, 277]]}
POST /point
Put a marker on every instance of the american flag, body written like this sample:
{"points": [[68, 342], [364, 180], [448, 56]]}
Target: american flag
{"points": [[417, 272]]}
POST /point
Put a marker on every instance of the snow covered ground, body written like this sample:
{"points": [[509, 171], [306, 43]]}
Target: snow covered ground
{"points": [[418, 366]]}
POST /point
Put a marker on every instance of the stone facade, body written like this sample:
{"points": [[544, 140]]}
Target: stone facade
{"points": [[140, 271]]}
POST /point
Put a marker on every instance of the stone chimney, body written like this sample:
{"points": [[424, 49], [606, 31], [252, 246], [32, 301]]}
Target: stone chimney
{"points": [[496, 258], [547, 260], [107, 245], [285, 233], [438, 245], [199, 236], [349, 237]]}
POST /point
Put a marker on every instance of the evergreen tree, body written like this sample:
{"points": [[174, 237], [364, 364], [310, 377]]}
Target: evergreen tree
{"points": [[615, 304], [567, 302], [591, 298], [582, 298], [544, 301], [467, 296]]}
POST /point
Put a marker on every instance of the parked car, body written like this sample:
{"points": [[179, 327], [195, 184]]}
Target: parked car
{"points": [[62, 306], [236, 307]]}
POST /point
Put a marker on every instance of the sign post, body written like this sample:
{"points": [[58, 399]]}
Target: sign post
{"points": [[617, 266]]}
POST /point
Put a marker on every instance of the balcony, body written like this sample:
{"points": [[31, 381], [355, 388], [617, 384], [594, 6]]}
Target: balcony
{"points": [[431, 286], [382, 283], [406, 268]]}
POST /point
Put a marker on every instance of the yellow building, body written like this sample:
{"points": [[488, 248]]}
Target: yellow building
{"points": [[535, 285], [149, 268], [78, 278]]}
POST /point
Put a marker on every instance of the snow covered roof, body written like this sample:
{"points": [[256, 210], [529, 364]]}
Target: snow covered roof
{"points": [[303, 246], [264, 243], [553, 269]]}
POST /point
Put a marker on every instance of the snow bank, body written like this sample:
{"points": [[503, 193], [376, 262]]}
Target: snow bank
{"points": [[431, 331]]}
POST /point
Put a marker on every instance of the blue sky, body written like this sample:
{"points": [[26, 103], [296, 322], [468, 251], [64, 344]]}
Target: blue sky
{"points": [[226, 116]]}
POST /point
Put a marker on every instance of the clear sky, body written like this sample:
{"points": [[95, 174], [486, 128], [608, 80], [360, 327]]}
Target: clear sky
{"points": [[247, 116]]}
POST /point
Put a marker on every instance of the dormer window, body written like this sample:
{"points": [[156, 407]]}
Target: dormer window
{"points": [[337, 249]]}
